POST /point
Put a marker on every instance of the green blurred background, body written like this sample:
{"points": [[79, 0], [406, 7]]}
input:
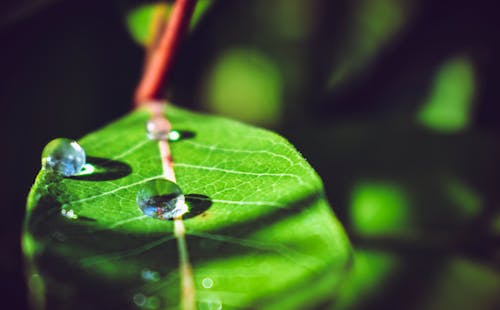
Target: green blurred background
{"points": [[393, 102]]}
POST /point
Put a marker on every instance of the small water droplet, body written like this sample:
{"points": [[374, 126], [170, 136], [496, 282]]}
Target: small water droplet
{"points": [[158, 128], [207, 283], [161, 199], [63, 156], [69, 214], [150, 275], [139, 299]]}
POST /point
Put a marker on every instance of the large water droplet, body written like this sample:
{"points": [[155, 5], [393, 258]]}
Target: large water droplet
{"points": [[158, 128], [63, 156], [161, 199]]}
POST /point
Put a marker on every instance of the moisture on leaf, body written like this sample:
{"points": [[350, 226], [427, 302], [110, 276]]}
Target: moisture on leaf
{"points": [[259, 231]]}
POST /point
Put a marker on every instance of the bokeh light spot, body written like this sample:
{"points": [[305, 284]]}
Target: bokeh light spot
{"points": [[246, 85], [379, 208], [448, 108]]}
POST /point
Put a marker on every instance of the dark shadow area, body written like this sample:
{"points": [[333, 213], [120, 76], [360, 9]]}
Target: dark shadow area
{"points": [[105, 170], [86, 219], [198, 204], [214, 249], [183, 135]]}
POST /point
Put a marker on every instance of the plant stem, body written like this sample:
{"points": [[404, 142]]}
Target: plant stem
{"points": [[160, 63]]}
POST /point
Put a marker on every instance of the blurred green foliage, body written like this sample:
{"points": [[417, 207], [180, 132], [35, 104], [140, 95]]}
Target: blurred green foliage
{"points": [[245, 85], [139, 21], [378, 209], [371, 274], [449, 107], [139, 18]]}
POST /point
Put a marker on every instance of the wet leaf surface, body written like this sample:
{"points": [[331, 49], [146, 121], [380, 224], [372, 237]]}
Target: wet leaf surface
{"points": [[259, 233]]}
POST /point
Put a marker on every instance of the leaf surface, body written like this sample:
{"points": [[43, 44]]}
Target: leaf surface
{"points": [[259, 232]]}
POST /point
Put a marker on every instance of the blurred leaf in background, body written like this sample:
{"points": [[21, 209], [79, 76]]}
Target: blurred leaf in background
{"points": [[246, 85], [141, 19], [448, 108]]}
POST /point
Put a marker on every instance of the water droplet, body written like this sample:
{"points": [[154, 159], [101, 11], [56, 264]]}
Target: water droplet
{"points": [[139, 299], [63, 156], [158, 128], [150, 275], [69, 214], [207, 282], [161, 199]]}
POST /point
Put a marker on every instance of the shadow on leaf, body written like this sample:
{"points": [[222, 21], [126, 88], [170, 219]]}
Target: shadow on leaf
{"points": [[104, 170], [181, 135], [198, 204]]}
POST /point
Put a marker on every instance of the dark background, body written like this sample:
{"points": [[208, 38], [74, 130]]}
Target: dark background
{"points": [[69, 67]]}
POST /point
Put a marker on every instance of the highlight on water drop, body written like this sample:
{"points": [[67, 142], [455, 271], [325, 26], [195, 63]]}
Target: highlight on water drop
{"points": [[161, 199], [63, 156], [174, 135]]}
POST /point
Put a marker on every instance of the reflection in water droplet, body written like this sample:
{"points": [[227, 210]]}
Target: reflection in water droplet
{"points": [[150, 275], [87, 169], [63, 156], [139, 299], [158, 128], [207, 283], [69, 214], [161, 199]]}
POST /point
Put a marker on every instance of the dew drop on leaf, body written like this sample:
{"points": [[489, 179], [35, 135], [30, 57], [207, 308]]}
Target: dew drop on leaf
{"points": [[70, 214], [158, 128], [161, 199], [207, 282], [63, 156]]}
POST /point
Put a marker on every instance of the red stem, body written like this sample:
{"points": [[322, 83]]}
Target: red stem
{"points": [[160, 63]]}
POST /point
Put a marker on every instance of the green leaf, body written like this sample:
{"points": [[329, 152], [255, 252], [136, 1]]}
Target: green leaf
{"points": [[259, 232], [139, 19], [449, 107]]}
